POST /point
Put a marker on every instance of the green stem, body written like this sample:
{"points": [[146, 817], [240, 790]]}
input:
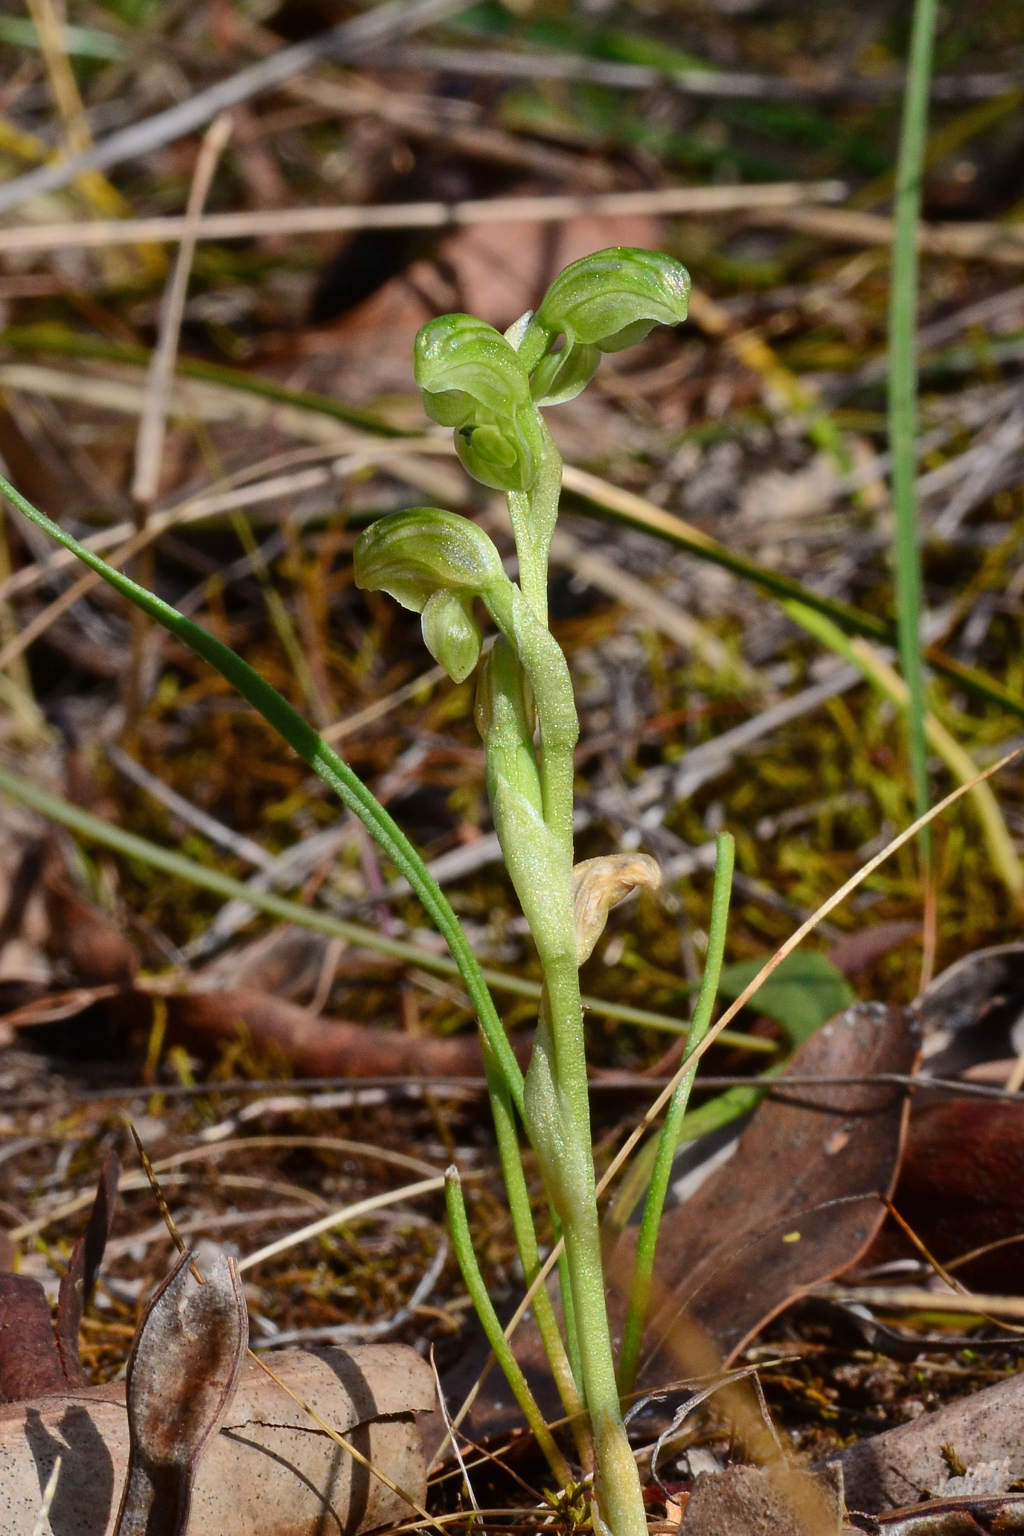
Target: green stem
{"points": [[526, 1241], [463, 1244], [617, 1481], [557, 1104], [647, 1242], [903, 393], [324, 761], [547, 672], [534, 514]]}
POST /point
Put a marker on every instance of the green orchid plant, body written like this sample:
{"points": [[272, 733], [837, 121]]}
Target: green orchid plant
{"points": [[490, 389]]}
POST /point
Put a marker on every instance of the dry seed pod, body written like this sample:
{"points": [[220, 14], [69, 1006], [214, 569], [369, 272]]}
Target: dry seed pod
{"points": [[182, 1375], [600, 884]]}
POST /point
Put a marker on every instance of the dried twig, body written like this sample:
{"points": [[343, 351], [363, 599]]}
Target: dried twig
{"points": [[149, 444], [908, 1298], [338, 1218], [690, 82], [307, 221], [348, 40], [997, 243]]}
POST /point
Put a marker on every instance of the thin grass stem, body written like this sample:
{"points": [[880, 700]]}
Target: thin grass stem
{"points": [[462, 1242], [903, 400], [654, 1206]]}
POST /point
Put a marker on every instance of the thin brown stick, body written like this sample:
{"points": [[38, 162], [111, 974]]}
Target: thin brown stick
{"points": [[149, 444], [308, 221]]}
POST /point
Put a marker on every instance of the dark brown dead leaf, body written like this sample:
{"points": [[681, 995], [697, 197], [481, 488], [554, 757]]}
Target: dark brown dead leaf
{"points": [[77, 1283], [897, 1469], [182, 1374], [856, 952], [315, 1046], [961, 1187], [30, 1364], [746, 1501], [97, 952], [798, 1203]]}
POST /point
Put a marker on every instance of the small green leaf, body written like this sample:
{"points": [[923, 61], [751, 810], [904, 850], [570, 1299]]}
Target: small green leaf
{"points": [[802, 994]]}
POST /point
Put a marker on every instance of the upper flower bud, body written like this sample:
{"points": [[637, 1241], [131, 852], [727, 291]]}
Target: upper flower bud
{"points": [[612, 299], [472, 379], [414, 554]]}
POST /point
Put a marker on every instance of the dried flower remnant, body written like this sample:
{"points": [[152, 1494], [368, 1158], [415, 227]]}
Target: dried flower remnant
{"points": [[600, 884]]}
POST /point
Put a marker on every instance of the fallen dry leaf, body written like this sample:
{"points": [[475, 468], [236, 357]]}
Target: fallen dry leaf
{"points": [[798, 1202], [269, 1467], [77, 1283], [30, 1364], [901, 1466], [961, 1187]]}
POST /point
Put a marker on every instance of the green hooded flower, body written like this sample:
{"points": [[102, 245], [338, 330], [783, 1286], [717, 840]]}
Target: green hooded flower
{"points": [[472, 379], [412, 555], [612, 299]]}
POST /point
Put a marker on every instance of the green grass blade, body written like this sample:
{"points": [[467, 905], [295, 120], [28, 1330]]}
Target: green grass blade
{"points": [[324, 761], [654, 1206], [462, 1242], [903, 393]]}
